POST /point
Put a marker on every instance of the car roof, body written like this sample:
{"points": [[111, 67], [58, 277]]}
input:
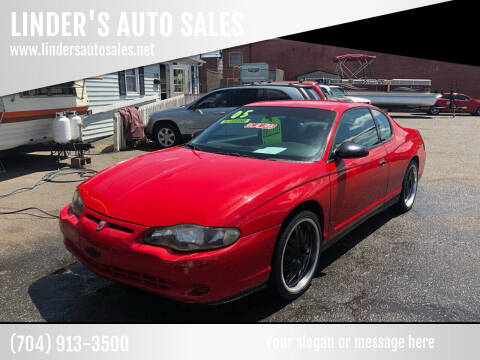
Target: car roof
{"points": [[337, 106], [265, 85], [289, 82]]}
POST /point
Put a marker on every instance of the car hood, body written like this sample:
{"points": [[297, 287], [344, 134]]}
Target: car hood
{"points": [[179, 185]]}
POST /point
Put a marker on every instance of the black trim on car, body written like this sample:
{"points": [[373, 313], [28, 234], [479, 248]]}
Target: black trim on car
{"points": [[237, 296], [332, 145], [349, 228], [378, 127]]}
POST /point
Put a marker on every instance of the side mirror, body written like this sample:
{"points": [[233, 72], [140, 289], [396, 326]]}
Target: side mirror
{"points": [[196, 133], [350, 150]]}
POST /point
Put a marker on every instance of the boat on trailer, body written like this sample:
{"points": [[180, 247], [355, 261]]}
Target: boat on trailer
{"points": [[27, 118], [355, 79], [410, 93]]}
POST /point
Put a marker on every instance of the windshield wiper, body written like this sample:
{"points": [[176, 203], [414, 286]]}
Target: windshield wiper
{"points": [[280, 159], [190, 146], [232, 153]]}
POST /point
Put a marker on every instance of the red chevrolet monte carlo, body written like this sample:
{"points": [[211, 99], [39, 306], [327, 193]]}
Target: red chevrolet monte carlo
{"points": [[252, 201]]}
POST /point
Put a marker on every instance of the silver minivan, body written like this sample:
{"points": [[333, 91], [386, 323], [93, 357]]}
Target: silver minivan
{"points": [[171, 126]]}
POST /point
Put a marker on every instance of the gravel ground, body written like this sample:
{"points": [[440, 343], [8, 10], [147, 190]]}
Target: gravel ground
{"points": [[420, 266]]}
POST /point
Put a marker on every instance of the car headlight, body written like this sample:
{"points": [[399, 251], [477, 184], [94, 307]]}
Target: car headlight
{"points": [[189, 237], [77, 203]]}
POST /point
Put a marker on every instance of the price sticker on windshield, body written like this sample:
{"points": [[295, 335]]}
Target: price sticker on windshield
{"points": [[260, 126], [240, 117]]}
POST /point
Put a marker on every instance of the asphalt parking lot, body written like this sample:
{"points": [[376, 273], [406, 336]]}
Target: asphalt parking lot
{"points": [[420, 266]]}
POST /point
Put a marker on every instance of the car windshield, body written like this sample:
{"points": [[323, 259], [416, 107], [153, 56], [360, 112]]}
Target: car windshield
{"points": [[268, 132], [337, 91]]}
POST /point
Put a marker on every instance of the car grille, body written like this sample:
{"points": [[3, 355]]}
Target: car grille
{"points": [[118, 272], [109, 224]]}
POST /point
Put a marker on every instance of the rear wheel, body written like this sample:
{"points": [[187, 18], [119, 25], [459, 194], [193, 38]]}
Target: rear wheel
{"points": [[409, 188], [296, 255], [477, 112], [167, 135], [434, 110]]}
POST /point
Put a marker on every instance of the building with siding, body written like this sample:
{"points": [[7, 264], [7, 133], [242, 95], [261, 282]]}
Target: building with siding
{"points": [[135, 87]]}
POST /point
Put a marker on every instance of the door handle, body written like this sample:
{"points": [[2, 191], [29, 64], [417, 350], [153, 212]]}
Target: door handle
{"points": [[383, 162]]}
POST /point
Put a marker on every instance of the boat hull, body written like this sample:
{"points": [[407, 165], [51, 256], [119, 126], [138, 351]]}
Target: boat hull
{"points": [[398, 99]]}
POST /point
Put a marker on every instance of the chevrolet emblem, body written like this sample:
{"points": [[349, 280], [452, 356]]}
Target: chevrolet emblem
{"points": [[101, 225]]}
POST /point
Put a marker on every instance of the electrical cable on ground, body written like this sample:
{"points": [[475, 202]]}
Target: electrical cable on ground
{"points": [[29, 208], [48, 177]]}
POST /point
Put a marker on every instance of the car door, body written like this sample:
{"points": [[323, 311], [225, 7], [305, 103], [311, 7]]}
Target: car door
{"points": [[463, 103], [443, 103], [395, 165], [357, 185], [209, 109]]}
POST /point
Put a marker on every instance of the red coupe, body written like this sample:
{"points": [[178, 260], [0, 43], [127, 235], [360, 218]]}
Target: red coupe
{"points": [[461, 104], [251, 201]]}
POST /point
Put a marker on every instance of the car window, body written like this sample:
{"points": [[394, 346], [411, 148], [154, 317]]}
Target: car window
{"points": [[357, 126], [242, 97], [461, 97], [215, 100], [312, 94], [446, 96], [325, 91], [383, 124], [271, 94], [337, 91]]}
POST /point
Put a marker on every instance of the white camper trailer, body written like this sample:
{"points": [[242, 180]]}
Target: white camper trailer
{"points": [[28, 117]]}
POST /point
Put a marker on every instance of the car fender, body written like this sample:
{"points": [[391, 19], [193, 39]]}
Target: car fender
{"points": [[275, 211], [177, 119]]}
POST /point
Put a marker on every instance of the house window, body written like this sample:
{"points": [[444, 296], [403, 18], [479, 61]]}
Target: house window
{"points": [[178, 80], [235, 58], [131, 80]]}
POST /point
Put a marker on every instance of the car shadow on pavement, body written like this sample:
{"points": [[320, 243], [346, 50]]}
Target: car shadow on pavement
{"points": [[350, 240], [75, 294]]}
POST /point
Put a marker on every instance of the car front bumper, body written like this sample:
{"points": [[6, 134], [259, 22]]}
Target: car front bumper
{"points": [[117, 252]]}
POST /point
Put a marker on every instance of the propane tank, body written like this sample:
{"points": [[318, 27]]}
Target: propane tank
{"points": [[75, 124], [61, 129]]}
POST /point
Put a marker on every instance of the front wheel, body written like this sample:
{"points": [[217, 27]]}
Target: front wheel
{"points": [[296, 255], [409, 188], [477, 113], [434, 110], [167, 135]]}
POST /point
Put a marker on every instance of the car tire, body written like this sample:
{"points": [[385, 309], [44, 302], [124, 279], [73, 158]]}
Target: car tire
{"points": [[167, 135], [477, 113], [434, 110], [296, 255], [409, 188]]}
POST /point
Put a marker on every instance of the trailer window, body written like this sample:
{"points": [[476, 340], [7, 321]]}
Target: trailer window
{"points": [[65, 89]]}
